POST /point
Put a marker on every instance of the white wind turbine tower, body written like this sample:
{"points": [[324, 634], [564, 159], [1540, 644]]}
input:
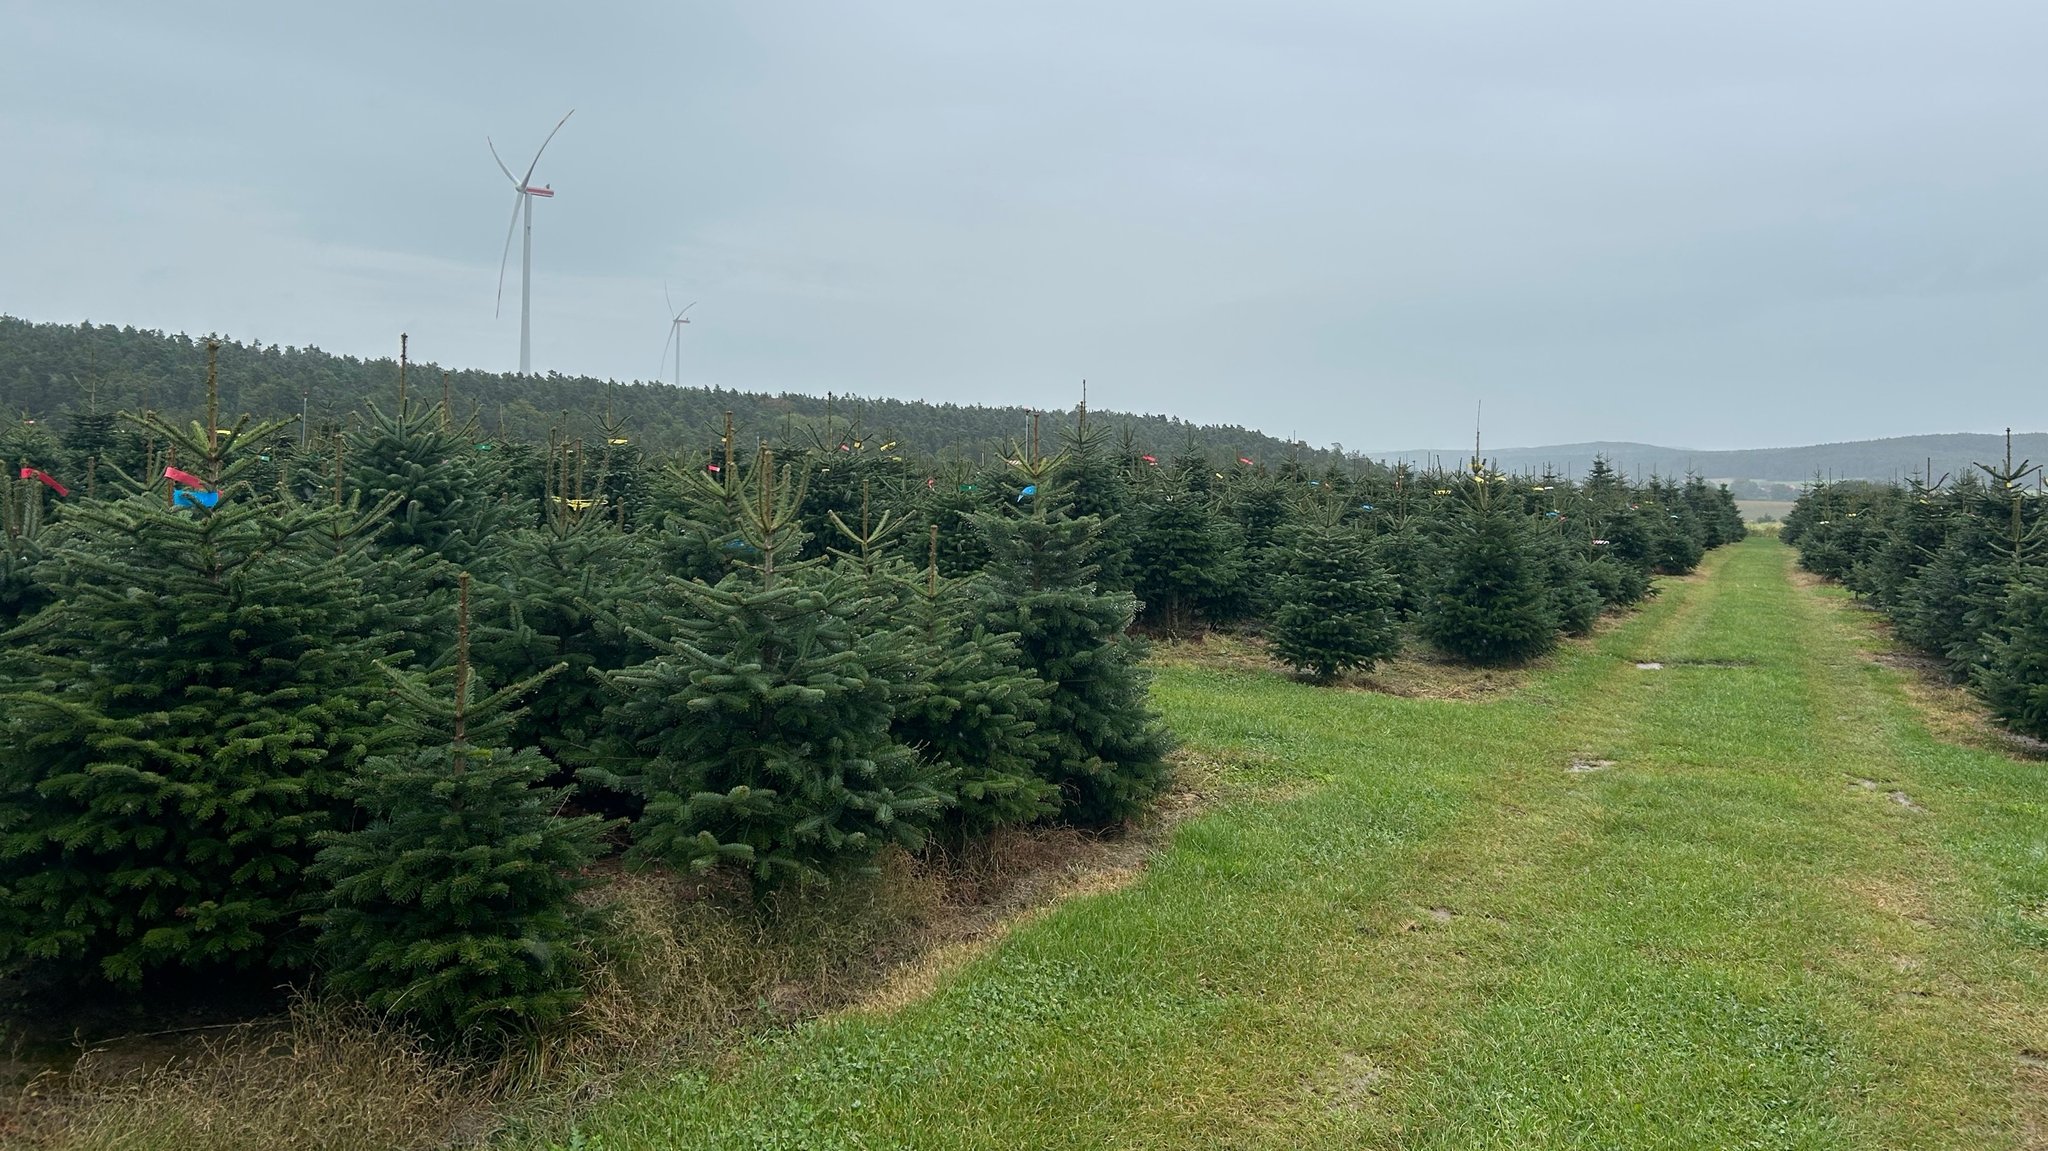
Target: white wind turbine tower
{"points": [[675, 332], [523, 193]]}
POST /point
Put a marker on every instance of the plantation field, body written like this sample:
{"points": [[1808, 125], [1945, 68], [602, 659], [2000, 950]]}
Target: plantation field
{"points": [[1754, 511], [1742, 899]]}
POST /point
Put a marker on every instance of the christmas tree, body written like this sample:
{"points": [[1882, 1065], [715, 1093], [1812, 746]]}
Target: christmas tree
{"points": [[1335, 604], [1490, 604], [761, 728], [454, 904], [1183, 558], [975, 708], [23, 504], [178, 724], [565, 592], [2013, 676], [443, 505], [1108, 748], [1097, 486]]}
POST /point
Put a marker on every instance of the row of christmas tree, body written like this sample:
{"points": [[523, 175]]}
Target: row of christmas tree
{"points": [[1959, 564], [261, 687]]}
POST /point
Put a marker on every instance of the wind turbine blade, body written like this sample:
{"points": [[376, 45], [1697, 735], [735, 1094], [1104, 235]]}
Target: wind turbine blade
{"points": [[686, 309], [499, 307], [666, 299], [501, 162], [544, 147], [664, 350]]}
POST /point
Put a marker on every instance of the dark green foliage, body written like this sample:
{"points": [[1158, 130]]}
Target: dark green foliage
{"points": [[90, 438], [23, 505], [1958, 566], [1108, 747], [1258, 514], [443, 506], [562, 594], [1183, 558], [1094, 480], [1574, 599], [760, 729], [1934, 604], [1334, 604], [177, 727], [55, 366], [1618, 584], [763, 724], [974, 709], [1491, 604], [1408, 556], [454, 904], [2013, 677]]}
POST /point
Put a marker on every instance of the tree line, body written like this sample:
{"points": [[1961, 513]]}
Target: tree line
{"points": [[1959, 564], [48, 371]]}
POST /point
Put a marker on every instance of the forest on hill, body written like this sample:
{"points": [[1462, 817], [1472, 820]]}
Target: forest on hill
{"points": [[50, 370]]}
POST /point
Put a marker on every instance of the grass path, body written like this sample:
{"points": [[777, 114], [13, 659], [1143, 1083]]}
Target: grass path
{"points": [[1783, 916]]}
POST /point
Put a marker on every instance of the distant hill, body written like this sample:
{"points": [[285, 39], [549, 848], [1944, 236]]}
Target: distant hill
{"points": [[1857, 459], [49, 370]]}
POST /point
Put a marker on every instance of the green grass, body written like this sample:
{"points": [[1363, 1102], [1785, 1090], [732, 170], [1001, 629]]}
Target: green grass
{"points": [[1421, 931]]}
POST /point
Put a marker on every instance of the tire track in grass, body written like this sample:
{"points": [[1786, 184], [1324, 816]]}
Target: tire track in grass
{"points": [[1691, 963]]}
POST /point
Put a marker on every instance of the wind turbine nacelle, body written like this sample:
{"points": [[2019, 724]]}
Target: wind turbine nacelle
{"points": [[543, 193]]}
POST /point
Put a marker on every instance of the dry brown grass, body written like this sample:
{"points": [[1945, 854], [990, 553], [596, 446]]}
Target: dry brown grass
{"points": [[1416, 673], [328, 1079]]}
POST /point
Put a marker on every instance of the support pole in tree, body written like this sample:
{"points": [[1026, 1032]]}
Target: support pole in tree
{"points": [[402, 338], [212, 414], [461, 672]]}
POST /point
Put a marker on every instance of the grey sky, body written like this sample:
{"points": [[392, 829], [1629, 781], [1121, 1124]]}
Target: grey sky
{"points": [[1715, 225]]}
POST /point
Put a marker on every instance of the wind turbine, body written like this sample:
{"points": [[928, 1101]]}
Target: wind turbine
{"points": [[675, 332], [523, 193]]}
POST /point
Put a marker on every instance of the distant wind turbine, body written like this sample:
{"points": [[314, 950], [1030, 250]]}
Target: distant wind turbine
{"points": [[523, 193], [675, 332]]}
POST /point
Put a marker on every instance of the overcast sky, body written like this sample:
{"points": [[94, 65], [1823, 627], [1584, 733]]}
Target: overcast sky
{"points": [[1723, 224]]}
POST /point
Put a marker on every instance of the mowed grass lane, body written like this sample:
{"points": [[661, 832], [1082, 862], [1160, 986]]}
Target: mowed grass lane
{"points": [[1775, 914]]}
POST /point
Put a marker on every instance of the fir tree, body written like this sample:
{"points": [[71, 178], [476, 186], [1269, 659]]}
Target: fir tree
{"points": [[1258, 514], [1409, 557], [976, 709], [1108, 748], [565, 592], [177, 727], [1097, 487], [1335, 604], [1490, 605], [22, 509], [1183, 561], [1574, 598], [2013, 677], [454, 904], [760, 729], [442, 505]]}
